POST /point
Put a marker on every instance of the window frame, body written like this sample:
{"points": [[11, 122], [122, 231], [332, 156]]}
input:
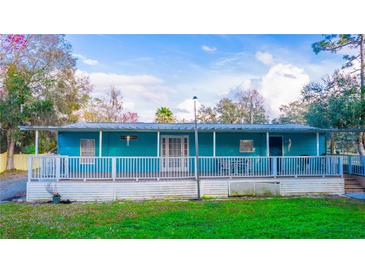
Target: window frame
{"points": [[84, 159], [252, 147]]}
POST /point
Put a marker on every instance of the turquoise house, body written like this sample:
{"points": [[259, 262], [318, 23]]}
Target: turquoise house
{"points": [[226, 143], [177, 140], [109, 161]]}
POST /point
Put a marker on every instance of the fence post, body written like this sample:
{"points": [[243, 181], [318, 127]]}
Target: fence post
{"points": [[58, 168], [114, 168], [340, 166], [274, 166]]}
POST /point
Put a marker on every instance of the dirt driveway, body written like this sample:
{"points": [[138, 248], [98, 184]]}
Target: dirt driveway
{"points": [[12, 186]]}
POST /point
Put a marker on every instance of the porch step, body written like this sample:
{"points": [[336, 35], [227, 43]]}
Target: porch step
{"points": [[354, 188], [352, 184], [354, 191]]}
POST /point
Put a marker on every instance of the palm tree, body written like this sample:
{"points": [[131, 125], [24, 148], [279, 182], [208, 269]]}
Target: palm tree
{"points": [[164, 115]]}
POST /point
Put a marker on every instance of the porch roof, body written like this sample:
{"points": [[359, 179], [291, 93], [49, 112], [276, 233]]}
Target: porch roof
{"points": [[89, 126]]}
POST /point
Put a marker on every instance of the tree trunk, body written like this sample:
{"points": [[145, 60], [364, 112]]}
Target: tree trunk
{"points": [[362, 91], [333, 143], [11, 146], [360, 146], [362, 75], [251, 110]]}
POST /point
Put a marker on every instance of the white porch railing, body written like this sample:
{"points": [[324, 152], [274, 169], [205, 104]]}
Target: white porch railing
{"points": [[144, 168], [270, 166], [354, 164]]}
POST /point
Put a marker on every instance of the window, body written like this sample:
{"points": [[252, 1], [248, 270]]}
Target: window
{"points": [[246, 146], [87, 149]]}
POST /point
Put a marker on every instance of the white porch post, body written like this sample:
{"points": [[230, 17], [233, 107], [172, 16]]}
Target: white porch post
{"points": [[317, 135], [158, 143], [100, 142], [36, 142], [267, 144], [213, 143]]}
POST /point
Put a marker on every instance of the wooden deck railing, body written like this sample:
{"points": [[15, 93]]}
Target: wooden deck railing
{"points": [[145, 168]]}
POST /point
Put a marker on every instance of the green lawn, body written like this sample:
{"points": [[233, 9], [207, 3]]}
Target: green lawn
{"points": [[256, 218]]}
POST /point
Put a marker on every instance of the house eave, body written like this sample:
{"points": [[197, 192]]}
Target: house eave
{"points": [[81, 129]]}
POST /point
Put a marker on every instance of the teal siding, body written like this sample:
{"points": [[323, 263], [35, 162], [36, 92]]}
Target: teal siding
{"points": [[69, 142], [302, 144], [144, 145], [227, 144]]}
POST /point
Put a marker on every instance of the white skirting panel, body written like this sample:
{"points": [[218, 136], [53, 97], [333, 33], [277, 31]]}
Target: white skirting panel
{"points": [[107, 191], [74, 191], [214, 188], [156, 190], [334, 186], [187, 189]]}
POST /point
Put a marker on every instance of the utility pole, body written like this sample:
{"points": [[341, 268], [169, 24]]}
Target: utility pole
{"points": [[196, 149]]}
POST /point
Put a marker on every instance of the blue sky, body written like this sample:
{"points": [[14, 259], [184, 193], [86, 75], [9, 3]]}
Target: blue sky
{"points": [[168, 70]]}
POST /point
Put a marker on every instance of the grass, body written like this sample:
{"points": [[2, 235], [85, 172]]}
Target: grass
{"points": [[253, 218]]}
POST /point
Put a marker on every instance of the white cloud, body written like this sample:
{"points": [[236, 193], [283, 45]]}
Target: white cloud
{"points": [[142, 93], [208, 49], [87, 61], [282, 84], [185, 110], [265, 58], [236, 60]]}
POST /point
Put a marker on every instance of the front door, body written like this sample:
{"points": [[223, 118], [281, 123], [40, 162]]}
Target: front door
{"points": [[174, 150], [276, 146]]}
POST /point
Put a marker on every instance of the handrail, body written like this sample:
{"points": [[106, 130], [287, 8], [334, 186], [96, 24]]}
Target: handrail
{"points": [[59, 167], [354, 164]]}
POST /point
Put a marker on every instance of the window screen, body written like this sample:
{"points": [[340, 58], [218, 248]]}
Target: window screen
{"points": [[246, 145]]}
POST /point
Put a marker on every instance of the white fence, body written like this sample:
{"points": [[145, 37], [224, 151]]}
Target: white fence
{"points": [[146, 168]]}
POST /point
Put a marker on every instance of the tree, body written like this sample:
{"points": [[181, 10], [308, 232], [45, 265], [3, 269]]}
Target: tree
{"points": [[247, 107], [292, 113], [45, 67], [227, 111], [335, 43], [114, 108], [17, 106], [250, 105], [93, 111], [164, 115], [49, 68], [206, 114], [129, 117], [109, 109], [334, 102]]}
